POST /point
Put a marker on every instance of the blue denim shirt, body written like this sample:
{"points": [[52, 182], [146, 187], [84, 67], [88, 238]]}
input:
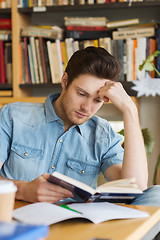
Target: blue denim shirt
{"points": [[32, 142]]}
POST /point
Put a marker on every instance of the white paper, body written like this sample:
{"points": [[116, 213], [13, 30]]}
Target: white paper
{"points": [[47, 213], [147, 86]]}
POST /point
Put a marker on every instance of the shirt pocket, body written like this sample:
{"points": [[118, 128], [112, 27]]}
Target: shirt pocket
{"points": [[86, 172], [24, 162]]}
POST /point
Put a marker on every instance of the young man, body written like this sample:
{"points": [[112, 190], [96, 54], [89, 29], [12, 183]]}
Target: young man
{"points": [[64, 135]]}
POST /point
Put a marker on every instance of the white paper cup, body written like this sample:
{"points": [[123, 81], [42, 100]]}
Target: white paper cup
{"points": [[7, 198]]}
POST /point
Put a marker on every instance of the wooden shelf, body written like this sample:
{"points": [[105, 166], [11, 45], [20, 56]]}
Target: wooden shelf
{"points": [[5, 93], [5, 10], [39, 85], [127, 86]]}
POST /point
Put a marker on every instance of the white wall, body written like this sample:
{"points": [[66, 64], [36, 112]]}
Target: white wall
{"points": [[150, 118]]}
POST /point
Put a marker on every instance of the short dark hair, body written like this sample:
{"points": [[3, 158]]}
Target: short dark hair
{"points": [[95, 61]]}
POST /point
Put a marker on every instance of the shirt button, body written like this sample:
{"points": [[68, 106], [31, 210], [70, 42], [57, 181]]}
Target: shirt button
{"points": [[60, 140], [82, 171], [25, 154], [53, 167]]}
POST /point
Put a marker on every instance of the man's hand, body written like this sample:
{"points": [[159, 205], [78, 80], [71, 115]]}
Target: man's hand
{"points": [[40, 190], [115, 92]]}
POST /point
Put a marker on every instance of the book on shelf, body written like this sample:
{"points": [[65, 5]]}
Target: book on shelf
{"points": [[8, 61], [85, 21], [46, 58], [15, 230], [86, 35], [51, 62], [47, 213], [5, 4], [5, 34], [124, 190], [158, 48], [35, 31], [121, 23], [41, 44], [5, 23], [135, 33], [152, 49], [39, 62], [34, 60], [140, 25], [26, 55], [2, 63], [85, 28]]}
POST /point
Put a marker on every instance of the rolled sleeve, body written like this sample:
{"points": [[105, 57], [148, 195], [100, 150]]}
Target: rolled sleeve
{"points": [[5, 133]]}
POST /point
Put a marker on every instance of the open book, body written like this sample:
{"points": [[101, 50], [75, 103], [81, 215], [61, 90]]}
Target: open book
{"points": [[47, 213], [119, 191]]}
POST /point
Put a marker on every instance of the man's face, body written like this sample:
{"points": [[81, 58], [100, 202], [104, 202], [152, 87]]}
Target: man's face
{"points": [[80, 100]]}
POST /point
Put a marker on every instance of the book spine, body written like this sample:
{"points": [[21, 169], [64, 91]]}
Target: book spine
{"points": [[138, 33], [5, 23], [85, 28], [158, 48], [86, 35], [35, 64], [2, 63], [39, 60], [27, 60], [8, 61], [51, 61], [41, 44], [46, 57]]}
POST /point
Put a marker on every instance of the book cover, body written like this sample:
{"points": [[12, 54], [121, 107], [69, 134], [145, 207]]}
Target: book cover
{"points": [[17, 231], [136, 33], [123, 190]]}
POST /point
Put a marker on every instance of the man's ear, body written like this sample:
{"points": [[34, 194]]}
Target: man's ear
{"points": [[64, 80]]}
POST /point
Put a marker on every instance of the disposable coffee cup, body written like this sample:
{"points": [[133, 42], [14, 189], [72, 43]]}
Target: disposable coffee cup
{"points": [[7, 198]]}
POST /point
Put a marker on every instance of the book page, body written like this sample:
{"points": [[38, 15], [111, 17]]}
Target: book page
{"points": [[120, 186]]}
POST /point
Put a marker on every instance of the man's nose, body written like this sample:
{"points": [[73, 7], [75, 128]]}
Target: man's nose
{"points": [[86, 105]]}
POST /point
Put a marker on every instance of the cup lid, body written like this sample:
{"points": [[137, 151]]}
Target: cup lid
{"points": [[7, 186]]}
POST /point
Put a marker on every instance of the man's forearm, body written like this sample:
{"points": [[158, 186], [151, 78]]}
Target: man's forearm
{"points": [[135, 160]]}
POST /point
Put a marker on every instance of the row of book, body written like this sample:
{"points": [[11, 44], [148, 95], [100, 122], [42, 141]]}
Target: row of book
{"points": [[5, 62], [5, 4], [42, 3], [44, 61]]}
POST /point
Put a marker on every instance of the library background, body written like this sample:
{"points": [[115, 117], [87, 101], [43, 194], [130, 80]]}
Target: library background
{"points": [[37, 37]]}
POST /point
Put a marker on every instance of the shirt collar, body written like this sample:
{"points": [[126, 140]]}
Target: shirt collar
{"points": [[49, 109]]}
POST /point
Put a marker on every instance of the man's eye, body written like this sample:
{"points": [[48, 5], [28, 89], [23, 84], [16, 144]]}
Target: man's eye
{"points": [[80, 94], [98, 100]]}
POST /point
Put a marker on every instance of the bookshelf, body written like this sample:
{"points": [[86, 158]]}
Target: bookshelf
{"points": [[44, 15]]}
